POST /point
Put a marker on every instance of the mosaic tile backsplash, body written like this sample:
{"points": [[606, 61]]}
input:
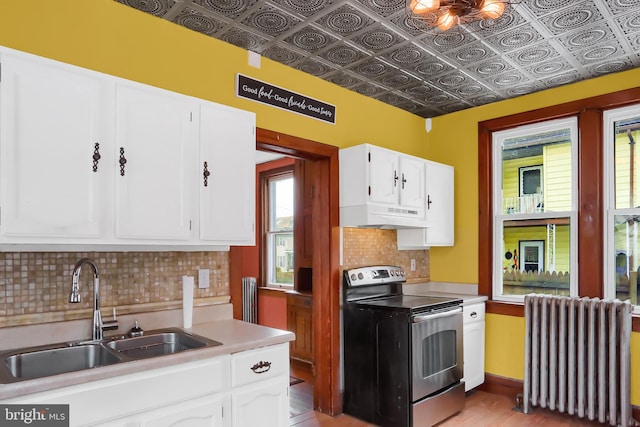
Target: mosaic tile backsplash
{"points": [[35, 285], [372, 246]]}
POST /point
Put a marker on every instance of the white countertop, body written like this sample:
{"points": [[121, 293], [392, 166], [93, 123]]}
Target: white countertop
{"points": [[235, 336]]}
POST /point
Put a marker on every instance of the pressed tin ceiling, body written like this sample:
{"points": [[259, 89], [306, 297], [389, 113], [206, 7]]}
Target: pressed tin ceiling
{"points": [[371, 47]]}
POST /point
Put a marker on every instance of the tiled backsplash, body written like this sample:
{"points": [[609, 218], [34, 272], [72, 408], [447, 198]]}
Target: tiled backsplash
{"points": [[372, 246], [35, 285]]}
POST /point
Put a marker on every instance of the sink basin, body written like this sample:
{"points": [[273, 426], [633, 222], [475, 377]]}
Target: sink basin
{"points": [[159, 343], [53, 361]]}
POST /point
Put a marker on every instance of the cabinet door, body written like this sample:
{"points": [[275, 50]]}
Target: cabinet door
{"points": [[154, 188], [384, 179], [227, 194], [52, 118], [473, 342], [203, 412], [412, 183], [439, 204], [264, 404]]}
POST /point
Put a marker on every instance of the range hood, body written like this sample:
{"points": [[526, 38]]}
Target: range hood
{"points": [[381, 216]]}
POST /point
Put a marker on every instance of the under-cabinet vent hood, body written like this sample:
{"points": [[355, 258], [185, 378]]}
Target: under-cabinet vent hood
{"points": [[381, 188]]}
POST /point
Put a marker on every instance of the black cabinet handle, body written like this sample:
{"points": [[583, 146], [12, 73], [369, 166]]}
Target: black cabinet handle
{"points": [[395, 178], [403, 181], [261, 367], [429, 201], [205, 174], [473, 315], [123, 161], [96, 156]]}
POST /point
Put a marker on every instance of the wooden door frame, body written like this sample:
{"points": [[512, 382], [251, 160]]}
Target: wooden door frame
{"points": [[326, 261]]}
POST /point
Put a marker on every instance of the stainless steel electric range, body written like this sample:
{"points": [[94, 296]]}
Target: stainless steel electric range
{"points": [[402, 353]]}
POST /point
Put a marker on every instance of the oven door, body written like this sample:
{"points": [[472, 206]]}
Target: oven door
{"points": [[436, 351]]}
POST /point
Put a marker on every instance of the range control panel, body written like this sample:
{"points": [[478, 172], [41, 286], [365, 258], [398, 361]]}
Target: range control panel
{"points": [[372, 275]]}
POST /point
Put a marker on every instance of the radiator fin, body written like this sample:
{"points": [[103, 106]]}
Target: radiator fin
{"points": [[249, 299], [577, 357]]}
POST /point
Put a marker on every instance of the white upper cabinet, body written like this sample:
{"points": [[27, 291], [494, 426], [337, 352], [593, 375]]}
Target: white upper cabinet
{"points": [[89, 160], [439, 211], [53, 119], [227, 175], [381, 187], [155, 144]]}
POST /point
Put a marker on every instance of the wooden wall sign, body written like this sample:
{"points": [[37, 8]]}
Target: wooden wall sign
{"points": [[275, 96]]}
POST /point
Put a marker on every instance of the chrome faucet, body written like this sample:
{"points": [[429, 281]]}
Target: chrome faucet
{"points": [[98, 325]]}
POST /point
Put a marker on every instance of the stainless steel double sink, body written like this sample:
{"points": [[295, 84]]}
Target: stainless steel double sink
{"points": [[43, 361]]}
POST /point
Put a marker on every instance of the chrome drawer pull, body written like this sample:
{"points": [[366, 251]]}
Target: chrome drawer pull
{"points": [[261, 367]]}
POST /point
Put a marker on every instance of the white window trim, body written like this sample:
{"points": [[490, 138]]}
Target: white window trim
{"points": [[609, 118], [498, 219]]}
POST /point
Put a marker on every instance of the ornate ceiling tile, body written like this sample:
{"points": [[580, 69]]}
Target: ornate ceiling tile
{"points": [[586, 37], [470, 53], [271, 21], [343, 54], [395, 79], [392, 98], [489, 68], [447, 41], [378, 38], [418, 90], [344, 79], [345, 20], [562, 79], [515, 39], [281, 54], [544, 7], [486, 98], [622, 6], [199, 22], [547, 68], [406, 55], [510, 19], [614, 66], [310, 39], [629, 23], [368, 89], [315, 68], [599, 53], [431, 68], [371, 68], [229, 8], [384, 7], [305, 7], [572, 18], [153, 7], [413, 27], [244, 39], [533, 54], [508, 79], [523, 89]]}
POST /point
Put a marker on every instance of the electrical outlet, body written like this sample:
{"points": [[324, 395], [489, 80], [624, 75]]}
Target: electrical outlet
{"points": [[203, 278], [413, 264]]}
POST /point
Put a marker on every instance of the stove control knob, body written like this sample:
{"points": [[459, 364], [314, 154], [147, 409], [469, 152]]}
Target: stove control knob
{"points": [[353, 276], [400, 272], [360, 276]]}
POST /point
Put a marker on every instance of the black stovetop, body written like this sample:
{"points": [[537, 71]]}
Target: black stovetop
{"points": [[411, 302]]}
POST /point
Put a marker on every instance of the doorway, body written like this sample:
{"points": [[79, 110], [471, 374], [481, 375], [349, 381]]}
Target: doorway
{"points": [[325, 263]]}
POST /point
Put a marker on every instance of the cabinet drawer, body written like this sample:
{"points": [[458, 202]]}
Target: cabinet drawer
{"points": [[260, 364], [473, 312]]}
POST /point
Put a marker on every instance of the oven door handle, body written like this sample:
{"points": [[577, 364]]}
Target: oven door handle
{"points": [[426, 317]]}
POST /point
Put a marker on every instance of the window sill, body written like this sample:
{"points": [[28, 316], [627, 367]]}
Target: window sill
{"points": [[517, 310], [279, 292]]}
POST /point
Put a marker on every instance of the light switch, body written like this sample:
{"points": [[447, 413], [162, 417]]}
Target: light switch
{"points": [[413, 264], [203, 278]]}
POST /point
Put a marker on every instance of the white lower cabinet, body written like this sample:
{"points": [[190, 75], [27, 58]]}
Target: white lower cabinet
{"points": [[260, 387], [473, 342], [204, 412]]}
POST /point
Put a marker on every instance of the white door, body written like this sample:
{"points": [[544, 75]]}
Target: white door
{"points": [[155, 162], [412, 183], [52, 119], [264, 404], [473, 342], [384, 178], [227, 175], [439, 203]]}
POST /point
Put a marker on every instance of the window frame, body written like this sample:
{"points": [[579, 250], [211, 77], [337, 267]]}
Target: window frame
{"points": [[500, 218], [590, 209], [610, 116], [268, 235]]}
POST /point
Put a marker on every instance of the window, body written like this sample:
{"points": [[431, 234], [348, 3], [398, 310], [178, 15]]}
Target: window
{"points": [[622, 201], [535, 237], [279, 229]]}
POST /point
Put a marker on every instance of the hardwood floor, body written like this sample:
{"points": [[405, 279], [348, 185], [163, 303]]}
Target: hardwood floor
{"points": [[481, 410]]}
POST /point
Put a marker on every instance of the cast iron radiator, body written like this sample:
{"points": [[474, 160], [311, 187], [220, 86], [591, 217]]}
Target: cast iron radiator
{"points": [[577, 357], [249, 300]]}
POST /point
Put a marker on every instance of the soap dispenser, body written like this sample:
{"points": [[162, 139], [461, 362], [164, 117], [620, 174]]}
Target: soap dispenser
{"points": [[136, 331]]}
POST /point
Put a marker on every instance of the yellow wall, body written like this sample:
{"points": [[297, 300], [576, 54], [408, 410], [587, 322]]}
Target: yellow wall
{"points": [[557, 177], [511, 174], [107, 36], [513, 236]]}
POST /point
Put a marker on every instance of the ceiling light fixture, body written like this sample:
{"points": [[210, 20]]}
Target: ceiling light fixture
{"points": [[446, 13]]}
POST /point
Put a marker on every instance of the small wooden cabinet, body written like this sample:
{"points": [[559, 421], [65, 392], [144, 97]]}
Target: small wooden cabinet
{"points": [[300, 322]]}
